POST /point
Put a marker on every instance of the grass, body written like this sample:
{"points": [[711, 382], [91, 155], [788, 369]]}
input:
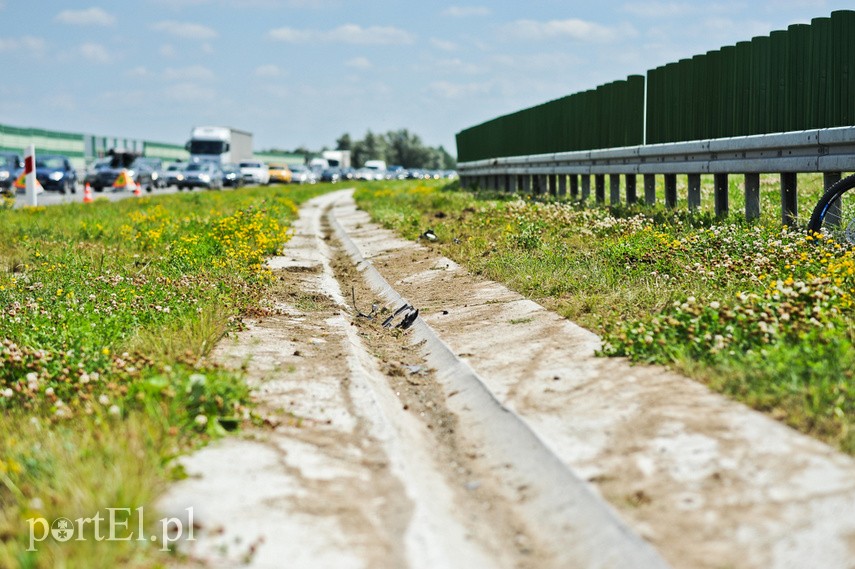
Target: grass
{"points": [[107, 314], [758, 311]]}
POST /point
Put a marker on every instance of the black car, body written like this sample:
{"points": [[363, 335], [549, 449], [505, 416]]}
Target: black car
{"points": [[104, 175], [55, 172], [232, 176], [11, 165], [331, 175]]}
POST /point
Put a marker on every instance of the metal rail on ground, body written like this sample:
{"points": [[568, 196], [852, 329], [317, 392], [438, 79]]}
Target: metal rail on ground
{"points": [[830, 151]]}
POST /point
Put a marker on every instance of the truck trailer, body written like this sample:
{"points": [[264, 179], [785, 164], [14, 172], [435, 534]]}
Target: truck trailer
{"points": [[221, 144]]}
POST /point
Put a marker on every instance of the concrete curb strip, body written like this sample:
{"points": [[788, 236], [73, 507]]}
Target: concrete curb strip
{"points": [[596, 536]]}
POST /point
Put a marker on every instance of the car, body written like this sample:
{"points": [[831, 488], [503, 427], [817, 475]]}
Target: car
{"points": [[254, 172], [55, 173], [302, 175], [369, 174], [231, 176], [155, 166], [174, 174], [332, 175], [280, 173], [106, 172], [11, 165], [205, 174]]}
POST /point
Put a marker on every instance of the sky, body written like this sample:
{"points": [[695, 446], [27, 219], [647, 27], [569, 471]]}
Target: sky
{"points": [[303, 72]]}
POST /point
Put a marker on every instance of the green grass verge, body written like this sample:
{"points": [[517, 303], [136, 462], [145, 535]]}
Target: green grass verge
{"points": [[107, 312], [762, 313]]}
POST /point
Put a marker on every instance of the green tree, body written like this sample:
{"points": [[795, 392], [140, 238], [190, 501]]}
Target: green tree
{"points": [[372, 147], [344, 142]]}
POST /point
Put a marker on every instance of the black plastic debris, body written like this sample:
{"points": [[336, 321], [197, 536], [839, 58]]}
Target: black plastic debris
{"points": [[428, 235], [407, 315]]}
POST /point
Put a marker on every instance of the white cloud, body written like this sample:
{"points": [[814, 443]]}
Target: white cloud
{"points": [[192, 72], [269, 70], [185, 30], [466, 11], [455, 65], [574, 29], [444, 45], [662, 9], [167, 50], [87, 17], [59, 101], [449, 90], [347, 33], [358, 63], [96, 52], [26, 43], [189, 93], [139, 72], [539, 61]]}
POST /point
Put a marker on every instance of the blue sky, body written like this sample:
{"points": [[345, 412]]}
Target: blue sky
{"points": [[302, 72]]}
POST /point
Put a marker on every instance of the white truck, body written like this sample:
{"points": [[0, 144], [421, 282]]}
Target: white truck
{"points": [[221, 144], [337, 158]]}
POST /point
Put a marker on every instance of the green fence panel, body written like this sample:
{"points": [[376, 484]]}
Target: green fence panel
{"points": [[794, 79]]}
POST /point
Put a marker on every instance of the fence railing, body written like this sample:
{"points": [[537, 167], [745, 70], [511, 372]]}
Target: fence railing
{"points": [[829, 151], [783, 103]]}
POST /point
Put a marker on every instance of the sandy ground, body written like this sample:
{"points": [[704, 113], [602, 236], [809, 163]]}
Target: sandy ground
{"points": [[370, 459]]}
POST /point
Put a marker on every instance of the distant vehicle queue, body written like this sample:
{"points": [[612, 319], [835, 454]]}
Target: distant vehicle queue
{"points": [[55, 173]]}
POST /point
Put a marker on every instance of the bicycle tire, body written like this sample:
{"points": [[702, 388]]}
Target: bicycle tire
{"points": [[839, 224]]}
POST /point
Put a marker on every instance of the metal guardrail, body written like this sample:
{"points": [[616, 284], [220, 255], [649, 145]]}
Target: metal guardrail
{"points": [[830, 151]]}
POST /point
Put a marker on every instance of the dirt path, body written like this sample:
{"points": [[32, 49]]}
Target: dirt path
{"points": [[396, 448]]}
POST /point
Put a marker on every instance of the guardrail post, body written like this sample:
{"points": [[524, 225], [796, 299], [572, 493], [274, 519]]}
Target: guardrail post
{"points": [[562, 185], [508, 181], [614, 189], [694, 195], [586, 186], [671, 191], [526, 184], [650, 189], [789, 198], [722, 205], [631, 195], [574, 186], [833, 214], [752, 196], [600, 188]]}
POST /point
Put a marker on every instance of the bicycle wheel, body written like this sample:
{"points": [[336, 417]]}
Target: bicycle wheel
{"points": [[834, 214]]}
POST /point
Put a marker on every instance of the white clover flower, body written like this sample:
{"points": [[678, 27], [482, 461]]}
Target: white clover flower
{"points": [[114, 410], [104, 400], [201, 420], [49, 391], [8, 393]]}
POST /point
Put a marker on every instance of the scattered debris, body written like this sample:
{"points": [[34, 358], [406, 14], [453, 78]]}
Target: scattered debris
{"points": [[428, 235], [359, 313], [409, 317]]}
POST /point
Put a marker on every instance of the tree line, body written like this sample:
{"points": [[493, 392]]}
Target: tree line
{"points": [[398, 147]]}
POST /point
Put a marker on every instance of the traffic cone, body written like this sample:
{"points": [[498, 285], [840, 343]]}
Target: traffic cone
{"points": [[87, 194], [138, 189], [124, 181], [21, 184]]}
